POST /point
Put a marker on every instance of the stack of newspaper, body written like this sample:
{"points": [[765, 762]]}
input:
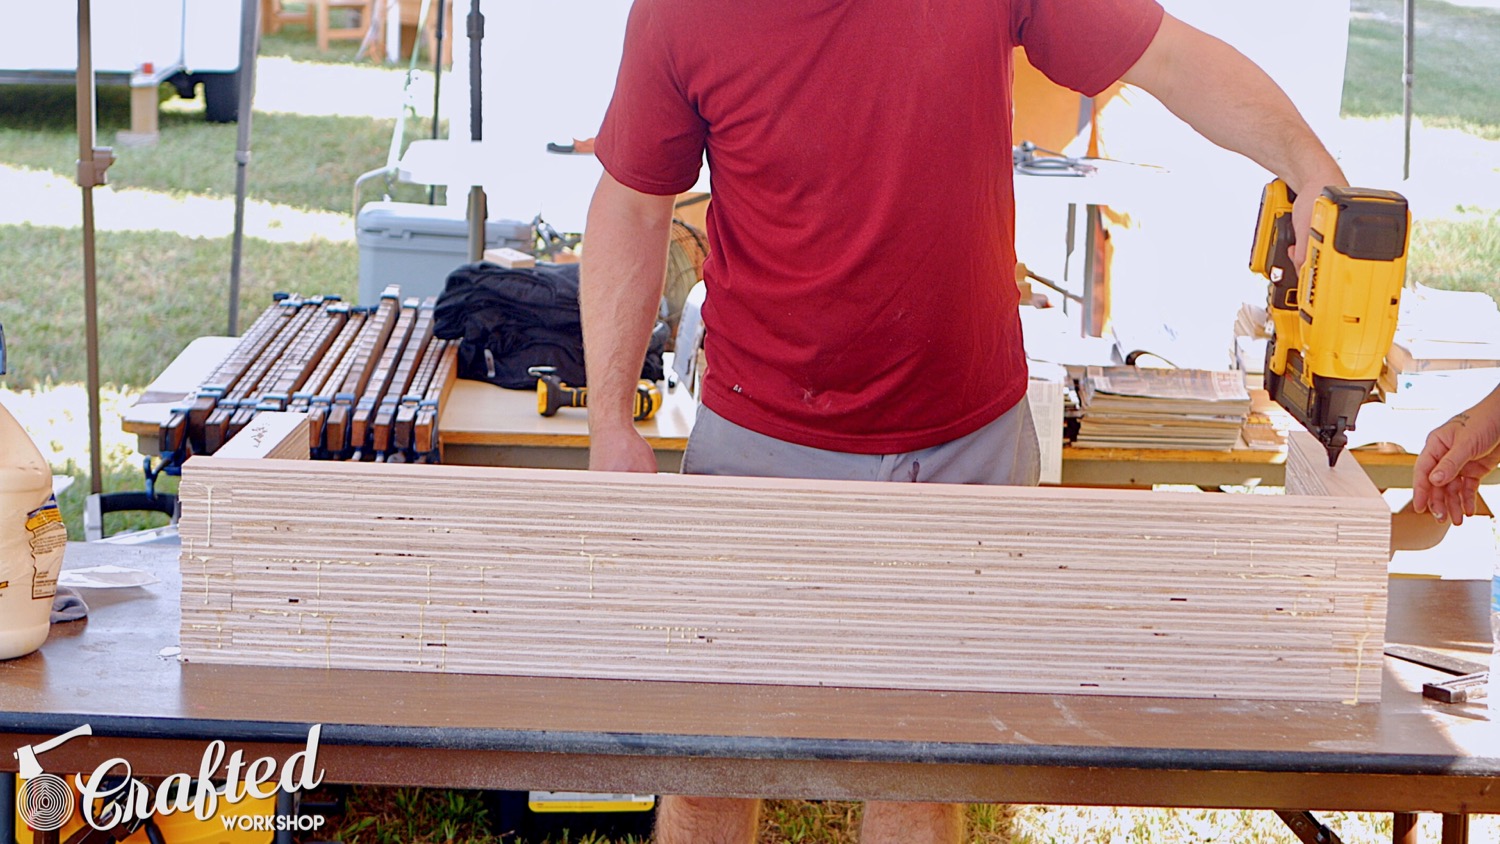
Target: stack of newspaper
{"points": [[1130, 407]]}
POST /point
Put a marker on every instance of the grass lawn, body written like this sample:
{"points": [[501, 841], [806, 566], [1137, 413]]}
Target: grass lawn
{"points": [[1458, 255], [1457, 63], [158, 289], [297, 160]]}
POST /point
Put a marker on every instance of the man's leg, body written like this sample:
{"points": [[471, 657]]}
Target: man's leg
{"points": [[1002, 452], [707, 820], [912, 823]]}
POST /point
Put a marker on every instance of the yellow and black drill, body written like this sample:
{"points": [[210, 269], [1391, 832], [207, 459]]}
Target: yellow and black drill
{"points": [[1332, 322], [552, 393]]}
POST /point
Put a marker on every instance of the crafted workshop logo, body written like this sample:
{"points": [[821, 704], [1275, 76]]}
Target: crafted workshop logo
{"points": [[112, 797]]}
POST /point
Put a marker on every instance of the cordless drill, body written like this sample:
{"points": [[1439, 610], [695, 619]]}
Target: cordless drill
{"points": [[552, 394], [1334, 320]]}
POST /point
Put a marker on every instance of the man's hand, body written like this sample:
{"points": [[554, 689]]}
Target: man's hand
{"points": [[1302, 208], [620, 451], [1445, 480]]}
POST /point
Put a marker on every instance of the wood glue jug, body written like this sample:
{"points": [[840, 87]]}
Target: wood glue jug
{"points": [[32, 539]]}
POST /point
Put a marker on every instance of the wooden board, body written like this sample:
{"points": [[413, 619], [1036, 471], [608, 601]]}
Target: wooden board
{"points": [[271, 435], [741, 580], [484, 414]]}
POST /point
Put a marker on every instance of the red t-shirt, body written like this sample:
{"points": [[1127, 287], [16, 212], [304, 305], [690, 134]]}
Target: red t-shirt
{"points": [[861, 292]]}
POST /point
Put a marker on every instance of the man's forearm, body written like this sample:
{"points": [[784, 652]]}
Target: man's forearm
{"points": [[1232, 102], [624, 265]]}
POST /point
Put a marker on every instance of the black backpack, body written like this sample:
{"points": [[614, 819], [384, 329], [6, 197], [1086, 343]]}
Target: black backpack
{"points": [[512, 320]]}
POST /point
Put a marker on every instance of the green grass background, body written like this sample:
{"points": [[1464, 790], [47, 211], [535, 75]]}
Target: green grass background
{"points": [[1457, 62]]}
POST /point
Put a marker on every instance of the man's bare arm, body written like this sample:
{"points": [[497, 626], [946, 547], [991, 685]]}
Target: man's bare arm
{"points": [[1232, 102], [624, 267]]}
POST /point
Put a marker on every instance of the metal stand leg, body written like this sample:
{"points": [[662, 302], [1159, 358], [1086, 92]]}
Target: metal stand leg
{"points": [[1455, 829], [7, 808], [1072, 235], [286, 807], [1093, 272], [1308, 828], [1404, 828]]}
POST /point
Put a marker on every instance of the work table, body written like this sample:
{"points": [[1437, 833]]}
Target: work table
{"points": [[485, 425], [1403, 754]]}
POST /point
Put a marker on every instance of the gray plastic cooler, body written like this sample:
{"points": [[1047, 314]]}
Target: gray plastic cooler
{"points": [[415, 246]]}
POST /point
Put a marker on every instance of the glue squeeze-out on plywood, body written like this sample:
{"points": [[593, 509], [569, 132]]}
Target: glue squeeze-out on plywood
{"points": [[574, 574]]}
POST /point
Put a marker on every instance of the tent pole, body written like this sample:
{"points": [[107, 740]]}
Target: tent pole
{"points": [[249, 48], [1408, 76], [91, 166], [437, 84], [478, 208]]}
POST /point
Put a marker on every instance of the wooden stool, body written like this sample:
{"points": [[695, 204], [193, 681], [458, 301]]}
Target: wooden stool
{"points": [[326, 33], [410, 12], [273, 13]]}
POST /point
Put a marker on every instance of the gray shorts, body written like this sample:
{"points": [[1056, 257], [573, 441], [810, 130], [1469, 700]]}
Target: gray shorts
{"points": [[1003, 452]]}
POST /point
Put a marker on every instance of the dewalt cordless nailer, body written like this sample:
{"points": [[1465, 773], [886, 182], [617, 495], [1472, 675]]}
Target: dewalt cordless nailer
{"points": [[1332, 322]]}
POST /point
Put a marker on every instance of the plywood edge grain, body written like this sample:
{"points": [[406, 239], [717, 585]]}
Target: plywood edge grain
{"points": [[765, 580], [1308, 472]]}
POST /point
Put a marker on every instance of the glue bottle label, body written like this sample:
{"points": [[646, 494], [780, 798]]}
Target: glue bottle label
{"points": [[48, 537]]}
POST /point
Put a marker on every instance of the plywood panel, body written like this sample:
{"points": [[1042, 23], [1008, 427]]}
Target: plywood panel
{"points": [[570, 574]]}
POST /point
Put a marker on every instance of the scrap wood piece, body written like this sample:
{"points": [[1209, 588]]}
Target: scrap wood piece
{"points": [[1079, 591], [510, 259], [278, 435]]}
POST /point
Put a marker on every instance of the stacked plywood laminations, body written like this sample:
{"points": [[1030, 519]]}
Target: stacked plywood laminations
{"points": [[508, 571]]}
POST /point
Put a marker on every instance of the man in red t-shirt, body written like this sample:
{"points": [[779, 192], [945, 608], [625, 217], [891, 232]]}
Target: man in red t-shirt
{"points": [[851, 146]]}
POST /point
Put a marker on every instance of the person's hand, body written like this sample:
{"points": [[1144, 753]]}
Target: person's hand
{"points": [[1445, 480], [621, 450], [1302, 210]]}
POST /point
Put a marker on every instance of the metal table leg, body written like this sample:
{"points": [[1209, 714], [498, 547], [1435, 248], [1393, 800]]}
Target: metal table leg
{"points": [[7, 808]]}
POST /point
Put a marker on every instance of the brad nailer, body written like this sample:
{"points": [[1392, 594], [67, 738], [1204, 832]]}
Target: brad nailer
{"points": [[1332, 321]]}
